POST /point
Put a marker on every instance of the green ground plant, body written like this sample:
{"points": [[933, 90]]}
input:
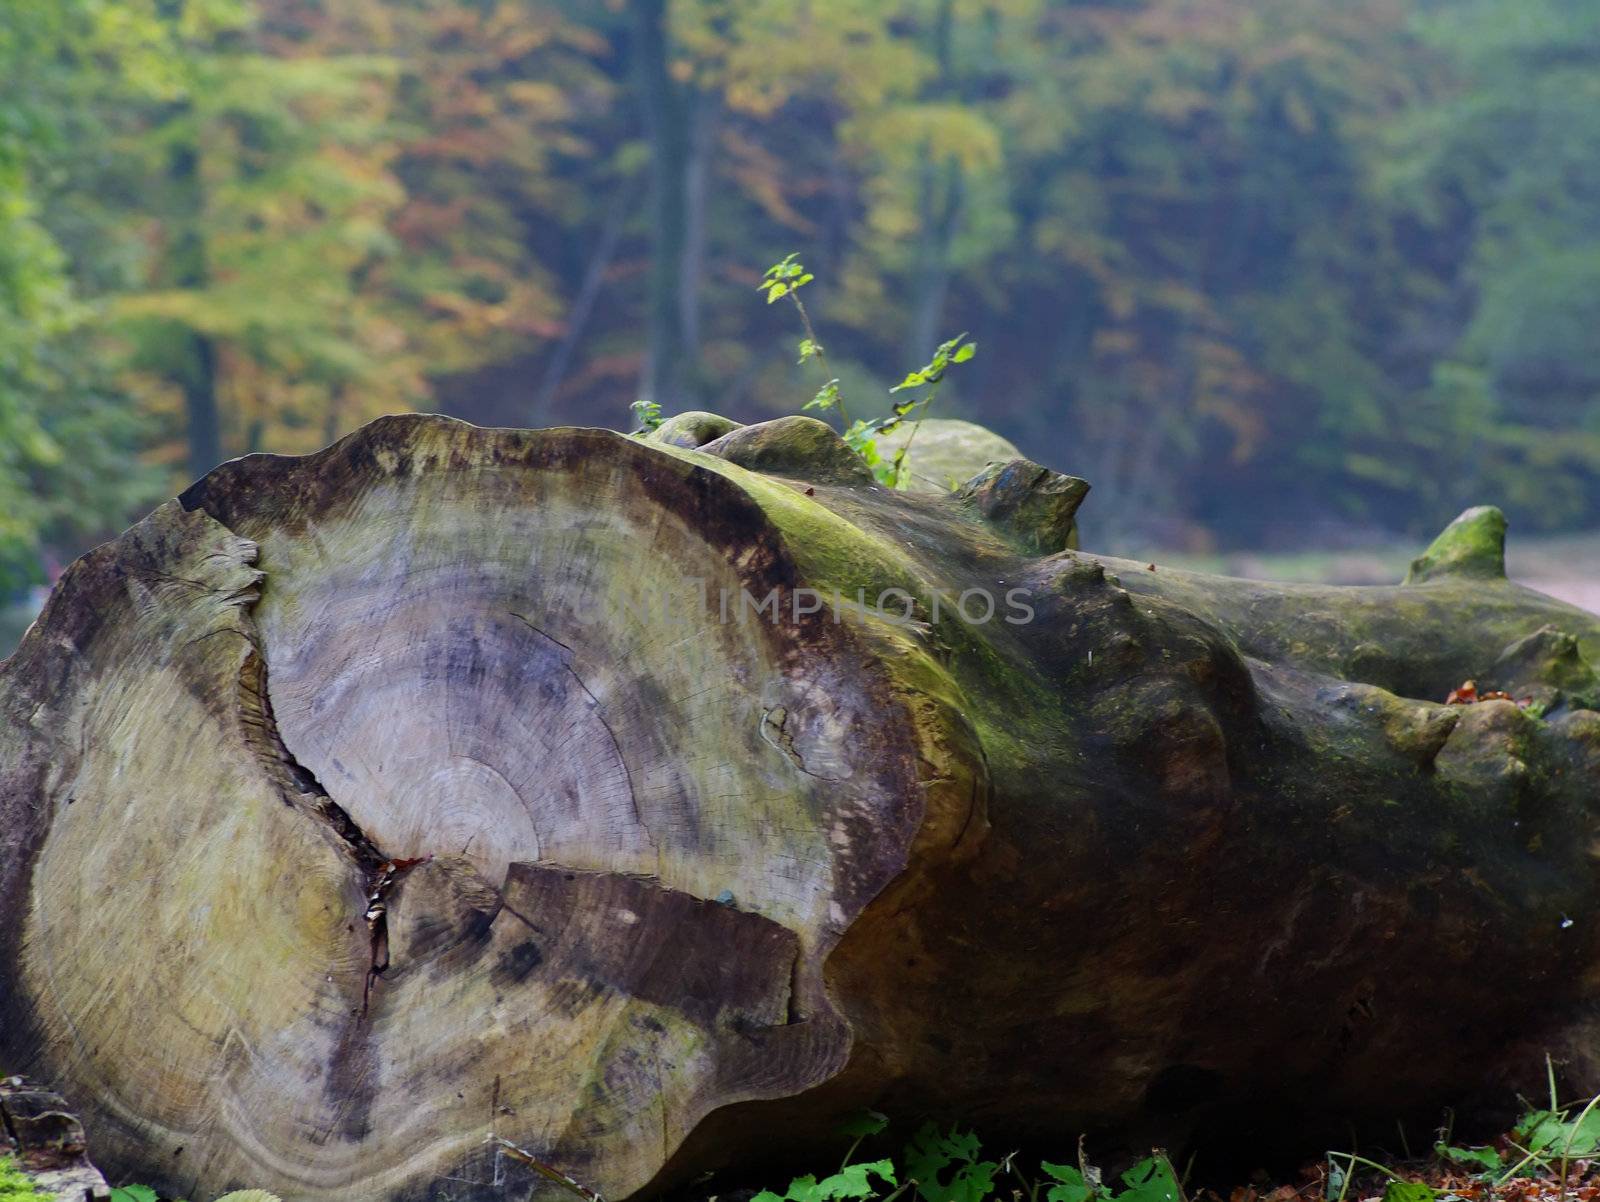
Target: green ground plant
{"points": [[14, 1187], [1541, 1149], [1545, 1151], [940, 1165]]}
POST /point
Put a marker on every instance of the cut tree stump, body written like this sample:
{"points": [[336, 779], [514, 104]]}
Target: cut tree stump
{"points": [[448, 786]]}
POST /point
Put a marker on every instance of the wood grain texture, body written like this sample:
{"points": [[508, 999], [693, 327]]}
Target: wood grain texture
{"points": [[361, 808]]}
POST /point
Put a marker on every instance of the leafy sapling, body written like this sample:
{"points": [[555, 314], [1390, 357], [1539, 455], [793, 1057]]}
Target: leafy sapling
{"points": [[785, 279], [647, 413], [929, 378]]}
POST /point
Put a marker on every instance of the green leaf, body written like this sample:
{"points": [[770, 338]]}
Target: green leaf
{"points": [[776, 292], [853, 1181], [1338, 1171], [1408, 1191], [133, 1193], [863, 1123], [1549, 1131], [964, 353], [827, 397], [647, 413], [1070, 1185], [783, 268], [861, 438], [902, 474], [1152, 1180], [930, 1153], [1486, 1159]]}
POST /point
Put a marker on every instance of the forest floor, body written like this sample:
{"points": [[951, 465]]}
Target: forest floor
{"points": [[1551, 1154]]}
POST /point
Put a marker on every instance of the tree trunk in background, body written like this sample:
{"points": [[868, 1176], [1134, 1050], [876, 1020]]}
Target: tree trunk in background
{"points": [[941, 209], [704, 109], [582, 307], [197, 368], [356, 810], [940, 198], [202, 419], [677, 160]]}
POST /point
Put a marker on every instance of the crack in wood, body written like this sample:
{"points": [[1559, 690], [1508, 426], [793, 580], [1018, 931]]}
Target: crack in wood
{"points": [[776, 719], [301, 789]]}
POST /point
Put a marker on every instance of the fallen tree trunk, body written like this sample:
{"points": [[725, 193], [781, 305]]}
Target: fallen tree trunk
{"points": [[457, 785]]}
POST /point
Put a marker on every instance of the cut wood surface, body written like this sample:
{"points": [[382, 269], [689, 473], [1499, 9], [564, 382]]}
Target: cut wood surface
{"points": [[458, 785]]}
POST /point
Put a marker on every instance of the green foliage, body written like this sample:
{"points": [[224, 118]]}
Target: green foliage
{"points": [[647, 413], [786, 278], [1408, 1191], [1483, 1159], [852, 1181], [949, 1166], [67, 467], [1542, 1144], [14, 1187], [1342, 254], [1501, 163], [134, 1193]]}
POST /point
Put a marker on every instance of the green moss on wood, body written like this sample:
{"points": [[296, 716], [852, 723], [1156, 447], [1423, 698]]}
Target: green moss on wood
{"points": [[1548, 666], [797, 446], [1473, 545], [943, 452], [14, 1186], [1032, 507], [692, 429]]}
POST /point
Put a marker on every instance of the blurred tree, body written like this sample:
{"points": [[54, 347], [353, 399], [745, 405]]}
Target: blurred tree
{"points": [[504, 140], [260, 197], [68, 471], [1195, 181], [1344, 256], [1503, 168]]}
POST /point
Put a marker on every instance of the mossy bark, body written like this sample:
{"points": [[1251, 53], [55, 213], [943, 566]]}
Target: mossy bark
{"points": [[648, 806]]}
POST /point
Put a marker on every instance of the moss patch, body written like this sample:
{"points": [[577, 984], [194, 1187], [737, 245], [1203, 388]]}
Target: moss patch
{"points": [[1472, 545], [14, 1187]]}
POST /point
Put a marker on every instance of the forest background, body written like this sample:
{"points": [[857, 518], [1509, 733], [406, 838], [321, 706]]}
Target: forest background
{"points": [[1270, 273]]}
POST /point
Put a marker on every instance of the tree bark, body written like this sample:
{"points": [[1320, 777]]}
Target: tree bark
{"points": [[47, 1142], [197, 368], [672, 119], [577, 318], [356, 810], [940, 194]]}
